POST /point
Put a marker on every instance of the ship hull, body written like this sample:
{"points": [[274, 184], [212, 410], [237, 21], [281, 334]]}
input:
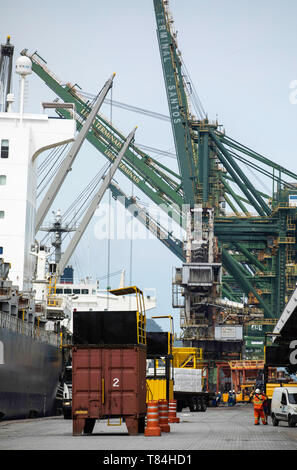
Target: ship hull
{"points": [[30, 373]]}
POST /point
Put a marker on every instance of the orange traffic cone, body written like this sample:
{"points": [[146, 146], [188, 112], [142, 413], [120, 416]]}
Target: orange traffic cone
{"points": [[163, 416], [172, 418], [152, 418]]}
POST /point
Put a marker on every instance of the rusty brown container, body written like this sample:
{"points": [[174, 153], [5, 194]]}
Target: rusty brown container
{"points": [[108, 382]]}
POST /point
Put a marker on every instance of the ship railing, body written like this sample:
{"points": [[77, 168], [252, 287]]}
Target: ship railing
{"points": [[16, 325]]}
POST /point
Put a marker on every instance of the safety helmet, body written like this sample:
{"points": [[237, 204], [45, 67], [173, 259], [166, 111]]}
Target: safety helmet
{"points": [[258, 390]]}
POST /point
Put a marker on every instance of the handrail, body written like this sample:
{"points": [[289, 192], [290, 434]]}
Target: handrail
{"points": [[28, 329]]}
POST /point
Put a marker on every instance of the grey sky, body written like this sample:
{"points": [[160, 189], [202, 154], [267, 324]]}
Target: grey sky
{"points": [[241, 56]]}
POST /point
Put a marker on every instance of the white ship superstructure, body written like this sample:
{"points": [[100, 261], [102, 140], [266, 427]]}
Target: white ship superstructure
{"points": [[23, 137], [85, 296]]}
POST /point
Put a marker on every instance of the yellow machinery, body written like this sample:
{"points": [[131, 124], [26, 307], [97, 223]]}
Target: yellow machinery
{"points": [[247, 390], [244, 376], [159, 375], [162, 359], [163, 362], [277, 362], [187, 358], [271, 386]]}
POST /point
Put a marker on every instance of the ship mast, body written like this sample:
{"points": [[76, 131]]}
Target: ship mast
{"points": [[57, 228], [6, 58]]}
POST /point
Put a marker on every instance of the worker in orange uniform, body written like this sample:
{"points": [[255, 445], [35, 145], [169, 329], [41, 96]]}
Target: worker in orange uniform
{"points": [[259, 399]]}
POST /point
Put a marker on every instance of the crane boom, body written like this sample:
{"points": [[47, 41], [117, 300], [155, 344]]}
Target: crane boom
{"points": [[136, 165], [92, 207], [177, 102], [151, 224], [70, 157]]}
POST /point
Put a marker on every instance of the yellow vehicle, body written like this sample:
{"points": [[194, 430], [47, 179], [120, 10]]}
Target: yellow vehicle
{"points": [[175, 372], [159, 372]]}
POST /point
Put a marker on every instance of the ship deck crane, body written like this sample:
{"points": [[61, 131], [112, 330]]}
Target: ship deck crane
{"points": [[70, 157], [93, 206]]}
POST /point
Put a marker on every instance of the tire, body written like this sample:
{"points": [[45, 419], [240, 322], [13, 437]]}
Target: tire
{"points": [[203, 406], [198, 404], [290, 422], [192, 406], [141, 425], [274, 420], [89, 425], [179, 406], [67, 414]]}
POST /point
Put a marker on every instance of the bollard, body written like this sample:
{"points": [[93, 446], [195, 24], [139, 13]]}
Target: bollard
{"points": [[172, 418], [163, 416], [152, 418]]}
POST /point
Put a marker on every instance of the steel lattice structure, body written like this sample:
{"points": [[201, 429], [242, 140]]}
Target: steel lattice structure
{"points": [[255, 230]]}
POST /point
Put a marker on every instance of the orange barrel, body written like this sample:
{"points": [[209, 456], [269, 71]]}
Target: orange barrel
{"points": [[172, 418], [163, 416], [152, 419]]}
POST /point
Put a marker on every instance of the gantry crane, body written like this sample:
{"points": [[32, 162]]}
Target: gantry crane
{"points": [[258, 250], [256, 236]]}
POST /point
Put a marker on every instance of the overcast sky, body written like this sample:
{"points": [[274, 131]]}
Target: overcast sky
{"points": [[241, 56]]}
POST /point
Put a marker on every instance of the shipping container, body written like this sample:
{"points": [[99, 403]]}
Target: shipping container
{"points": [[108, 382], [108, 327]]}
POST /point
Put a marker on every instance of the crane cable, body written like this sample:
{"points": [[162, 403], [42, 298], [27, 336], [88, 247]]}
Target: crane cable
{"points": [[193, 93], [85, 196], [127, 107], [132, 223], [51, 155], [56, 154]]}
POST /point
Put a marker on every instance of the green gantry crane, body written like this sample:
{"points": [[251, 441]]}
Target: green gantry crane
{"points": [[256, 234], [258, 250]]}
